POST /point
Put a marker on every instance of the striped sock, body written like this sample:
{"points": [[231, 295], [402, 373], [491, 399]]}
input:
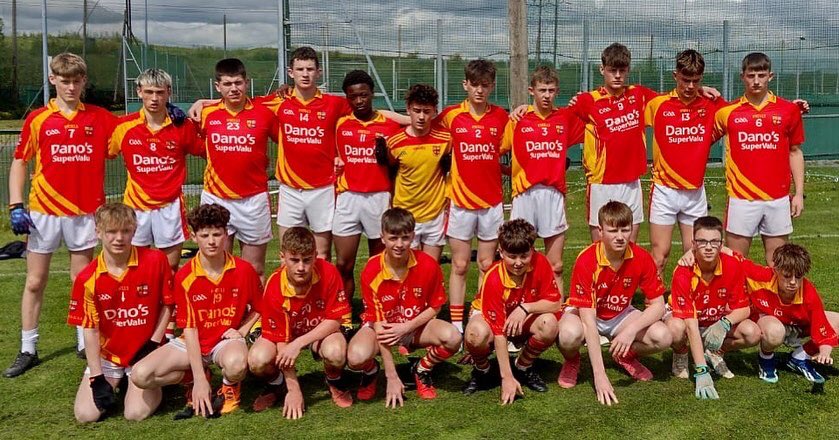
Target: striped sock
{"points": [[331, 372], [456, 313], [532, 349], [370, 367], [433, 356], [480, 359]]}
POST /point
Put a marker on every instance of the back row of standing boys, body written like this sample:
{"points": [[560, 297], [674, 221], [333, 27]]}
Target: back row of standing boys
{"points": [[68, 140]]}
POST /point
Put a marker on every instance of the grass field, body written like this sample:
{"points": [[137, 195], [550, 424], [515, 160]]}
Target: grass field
{"points": [[39, 403]]}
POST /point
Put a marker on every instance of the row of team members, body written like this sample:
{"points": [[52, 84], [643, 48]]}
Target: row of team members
{"points": [[720, 302], [233, 136]]}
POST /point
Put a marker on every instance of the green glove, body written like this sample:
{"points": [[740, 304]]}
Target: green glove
{"points": [[704, 384], [715, 334]]}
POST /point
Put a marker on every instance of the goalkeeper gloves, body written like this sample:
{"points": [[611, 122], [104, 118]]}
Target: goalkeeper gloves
{"points": [[715, 334], [20, 219], [103, 393], [704, 384], [381, 152], [145, 350], [175, 114]]}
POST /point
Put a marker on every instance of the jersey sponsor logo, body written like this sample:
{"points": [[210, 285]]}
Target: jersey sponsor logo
{"points": [[741, 120], [683, 135], [758, 141], [225, 143], [214, 122], [135, 142], [128, 316], [52, 132], [360, 154], [199, 297], [461, 130], [614, 303], [71, 153], [476, 152], [104, 297], [544, 149], [623, 122], [217, 317], [303, 135]]}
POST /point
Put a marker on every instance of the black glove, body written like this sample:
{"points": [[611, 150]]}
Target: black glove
{"points": [[144, 351], [446, 163], [175, 114], [381, 152], [103, 393]]}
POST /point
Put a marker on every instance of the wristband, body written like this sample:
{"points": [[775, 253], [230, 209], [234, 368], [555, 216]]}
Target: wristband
{"points": [[726, 323], [521, 306], [13, 206], [699, 370]]}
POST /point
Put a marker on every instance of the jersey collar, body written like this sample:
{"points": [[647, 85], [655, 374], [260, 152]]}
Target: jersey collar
{"points": [[385, 271], [600, 252], [53, 107], [799, 294], [697, 272], [378, 118], [198, 269], [288, 291], [770, 99], [166, 121], [318, 94], [507, 280], [102, 266], [464, 107], [220, 105], [532, 109]]}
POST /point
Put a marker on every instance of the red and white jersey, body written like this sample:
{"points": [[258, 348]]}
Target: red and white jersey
{"points": [[125, 309], [237, 149], [155, 160], [540, 145], [692, 297], [805, 311], [594, 284], [615, 149], [476, 146], [356, 142], [395, 301], [306, 156], [69, 152], [757, 146], [682, 138], [287, 315], [500, 295], [212, 306]]}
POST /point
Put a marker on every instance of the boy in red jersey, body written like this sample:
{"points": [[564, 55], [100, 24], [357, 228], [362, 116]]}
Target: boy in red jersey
{"points": [[710, 309], [518, 301], [421, 152], [763, 137], [306, 160], [126, 303], [605, 278], [683, 132], [788, 309], [403, 292], [539, 142], [68, 141], [217, 296], [363, 186], [154, 150], [615, 152], [303, 306], [476, 127], [236, 133]]}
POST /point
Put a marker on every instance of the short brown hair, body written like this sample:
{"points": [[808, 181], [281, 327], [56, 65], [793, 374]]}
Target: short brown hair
{"points": [[616, 55], [480, 71], [208, 216], [516, 236], [114, 215], [792, 259], [298, 240], [398, 221], [544, 74], [690, 62], [304, 53], [707, 222], [756, 62], [615, 214], [68, 65], [230, 67], [422, 94]]}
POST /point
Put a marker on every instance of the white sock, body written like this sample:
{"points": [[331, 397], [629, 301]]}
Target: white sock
{"points": [[79, 339], [225, 381], [278, 380], [28, 340], [800, 354], [459, 326], [766, 355]]}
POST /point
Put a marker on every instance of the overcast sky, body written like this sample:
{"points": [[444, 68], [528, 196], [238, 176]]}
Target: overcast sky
{"points": [[469, 27]]}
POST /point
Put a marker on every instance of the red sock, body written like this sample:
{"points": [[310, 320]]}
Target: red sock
{"points": [[456, 313], [532, 349], [331, 372], [433, 356]]}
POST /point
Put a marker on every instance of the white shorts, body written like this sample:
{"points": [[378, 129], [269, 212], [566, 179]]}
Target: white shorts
{"points": [[544, 208], [163, 227], [112, 370], [250, 218], [600, 194], [212, 358], [669, 205], [467, 223], [431, 233], [313, 208], [78, 233], [360, 212], [768, 217], [609, 328]]}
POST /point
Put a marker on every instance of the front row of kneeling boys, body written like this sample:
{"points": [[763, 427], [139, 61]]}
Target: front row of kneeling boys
{"points": [[719, 302]]}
